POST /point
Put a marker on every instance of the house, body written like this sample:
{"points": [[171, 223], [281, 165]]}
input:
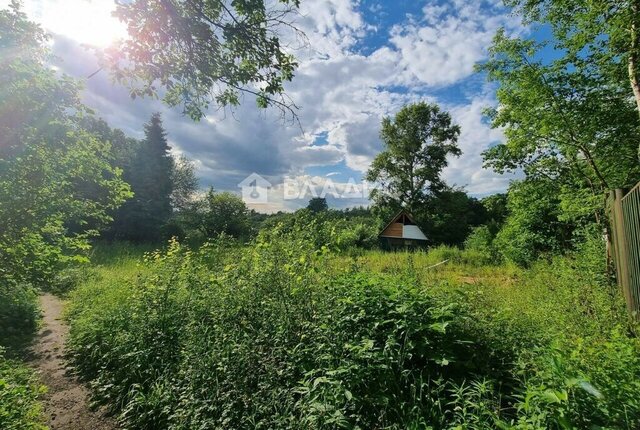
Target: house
{"points": [[402, 232]]}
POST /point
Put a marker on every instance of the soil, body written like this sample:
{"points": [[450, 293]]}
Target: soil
{"points": [[66, 403]]}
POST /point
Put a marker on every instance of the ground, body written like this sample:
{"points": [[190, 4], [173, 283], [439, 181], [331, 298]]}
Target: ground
{"points": [[67, 402]]}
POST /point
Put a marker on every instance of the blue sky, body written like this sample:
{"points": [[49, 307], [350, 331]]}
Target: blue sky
{"points": [[364, 60]]}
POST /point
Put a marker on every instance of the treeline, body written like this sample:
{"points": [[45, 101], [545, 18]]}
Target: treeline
{"points": [[572, 123]]}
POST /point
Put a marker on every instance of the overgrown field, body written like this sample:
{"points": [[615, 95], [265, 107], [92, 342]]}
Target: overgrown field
{"points": [[284, 335]]}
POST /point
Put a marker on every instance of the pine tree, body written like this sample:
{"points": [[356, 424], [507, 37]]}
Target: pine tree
{"points": [[142, 218]]}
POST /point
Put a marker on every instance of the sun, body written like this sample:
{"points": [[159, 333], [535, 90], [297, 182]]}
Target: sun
{"points": [[86, 21]]}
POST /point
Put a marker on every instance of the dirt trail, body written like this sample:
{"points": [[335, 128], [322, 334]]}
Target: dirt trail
{"points": [[66, 404]]}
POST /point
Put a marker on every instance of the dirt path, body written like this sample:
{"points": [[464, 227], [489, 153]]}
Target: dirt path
{"points": [[66, 405]]}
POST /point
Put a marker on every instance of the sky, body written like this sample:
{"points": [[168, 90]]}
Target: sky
{"points": [[364, 60]]}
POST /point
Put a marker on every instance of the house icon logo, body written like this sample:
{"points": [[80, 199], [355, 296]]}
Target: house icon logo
{"points": [[255, 189]]}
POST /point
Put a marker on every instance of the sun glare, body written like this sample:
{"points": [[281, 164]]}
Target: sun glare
{"points": [[86, 21]]}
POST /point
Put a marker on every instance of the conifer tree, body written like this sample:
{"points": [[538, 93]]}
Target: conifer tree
{"points": [[141, 218]]}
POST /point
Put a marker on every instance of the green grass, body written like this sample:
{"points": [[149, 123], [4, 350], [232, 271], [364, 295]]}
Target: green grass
{"points": [[19, 393], [282, 335]]}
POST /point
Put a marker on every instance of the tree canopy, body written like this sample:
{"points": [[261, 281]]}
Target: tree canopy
{"points": [[196, 53], [57, 181], [417, 142]]}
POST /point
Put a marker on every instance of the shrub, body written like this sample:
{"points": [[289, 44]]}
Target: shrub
{"points": [[480, 242], [279, 335], [265, 339], [19, 313], [19, 391]]}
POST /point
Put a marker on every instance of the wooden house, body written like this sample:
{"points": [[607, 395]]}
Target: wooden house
{"points": [[402, 232]]}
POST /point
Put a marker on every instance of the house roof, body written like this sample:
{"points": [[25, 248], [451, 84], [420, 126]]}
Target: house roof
{"points": [[413, 232]]}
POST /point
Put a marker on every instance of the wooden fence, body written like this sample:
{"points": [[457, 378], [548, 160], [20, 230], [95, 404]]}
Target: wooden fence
{"points": [[625, 244]]}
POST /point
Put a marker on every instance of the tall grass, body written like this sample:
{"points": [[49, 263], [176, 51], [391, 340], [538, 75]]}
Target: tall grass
{"points": [[281, 334]]}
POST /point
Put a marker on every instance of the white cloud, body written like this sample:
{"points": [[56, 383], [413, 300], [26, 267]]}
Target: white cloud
{"points": [[476, 136], [343, 95], [443, 47]]}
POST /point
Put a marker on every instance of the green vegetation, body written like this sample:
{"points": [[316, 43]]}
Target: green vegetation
{"points": [[207, 52], [283, 334], [297, 320], [19, 392]]}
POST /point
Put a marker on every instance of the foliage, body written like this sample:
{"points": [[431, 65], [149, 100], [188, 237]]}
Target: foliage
{"points": [[19, 315], [315, 352], [19, 391], [217, 214], [450, 216], [569, 115], [318, 204], [32, 95], [43, 196], [534, 224], [606, 33], [152, 169], [417, 142], [496, 212], [338, 230], [481, 240], [56, 182], [206, 52], [282, 334], [57, 187], [184, 183]]}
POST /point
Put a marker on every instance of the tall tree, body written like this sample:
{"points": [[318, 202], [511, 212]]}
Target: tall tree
{"points": [[607, 32], [57, 182], [142, 218], [207, 51], [569, 120], [417, 142]]}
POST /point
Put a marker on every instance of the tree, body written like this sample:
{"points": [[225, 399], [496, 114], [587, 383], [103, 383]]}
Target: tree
{"points": [[534, 225], [220, 213], [207, 51], [184, 183], [32, 95], [318, 204], [142, 217], [605, 32], [123, 148], [568, 120], [57, 183], [495, 207], [417, 143], [450, 215]]}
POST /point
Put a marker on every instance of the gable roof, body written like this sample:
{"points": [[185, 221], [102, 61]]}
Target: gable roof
{"points": [[409, 231]]}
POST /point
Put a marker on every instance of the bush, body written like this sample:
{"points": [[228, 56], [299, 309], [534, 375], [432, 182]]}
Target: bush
{"points": [[19, 391], [19, 313], [480, 242], [265, 339], [277, 335]]}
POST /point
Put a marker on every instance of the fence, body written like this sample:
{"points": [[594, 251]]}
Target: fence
{"points": [[625, 244]]}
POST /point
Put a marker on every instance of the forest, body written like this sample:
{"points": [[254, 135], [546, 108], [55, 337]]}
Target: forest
{"points": [[187, 309]]}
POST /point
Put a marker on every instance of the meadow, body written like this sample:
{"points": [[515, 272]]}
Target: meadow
{"points": [[283, 334]]}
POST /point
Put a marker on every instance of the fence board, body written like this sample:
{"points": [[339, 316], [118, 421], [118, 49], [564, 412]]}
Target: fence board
{"points": [[625, 244]]}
